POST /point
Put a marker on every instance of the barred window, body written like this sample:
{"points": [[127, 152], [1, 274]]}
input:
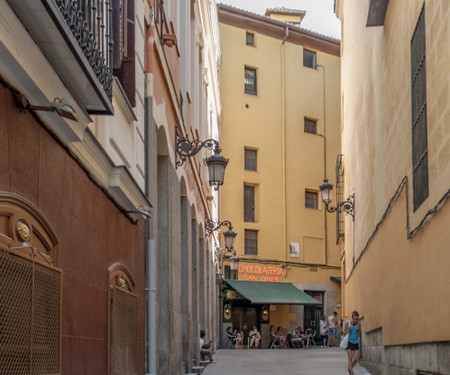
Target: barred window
{"points": [[250, 160], [250, 39], [311, 199], [123, 322], [309, 59], [419, 113], [340, 218], [251, 242], [250, 81], [310, 126], [249, 204]]}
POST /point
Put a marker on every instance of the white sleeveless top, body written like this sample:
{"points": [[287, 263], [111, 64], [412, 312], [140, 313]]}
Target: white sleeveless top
{"points": [[331, 323]]}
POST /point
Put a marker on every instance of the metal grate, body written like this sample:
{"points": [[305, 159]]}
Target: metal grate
{"points": [[250, 81], [340, 219], [249, 204], [250, 160], [419, 113], [311, 200], [309, 59], [251, 242], [310, 126], [250, 39], [123, 332], [30, 305]]}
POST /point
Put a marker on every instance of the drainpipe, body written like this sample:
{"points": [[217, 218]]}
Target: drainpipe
{"points": [[283, 145], [324, 136], [150, 290]]}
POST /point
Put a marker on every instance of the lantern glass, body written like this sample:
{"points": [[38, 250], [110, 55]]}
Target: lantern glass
{"points": [[229, 235], [325, 190], [234, 263], [216, 169]]}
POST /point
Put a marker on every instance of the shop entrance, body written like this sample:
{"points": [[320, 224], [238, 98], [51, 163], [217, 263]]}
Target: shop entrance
{"points": [[312, 313], [245, 317]]}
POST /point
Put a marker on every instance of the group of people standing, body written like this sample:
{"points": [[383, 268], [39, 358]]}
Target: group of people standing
{"points": [[328, 330]]}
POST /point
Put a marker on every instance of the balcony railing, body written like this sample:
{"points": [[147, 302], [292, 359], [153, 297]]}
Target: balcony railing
{"points": [[90, 23], [76, 38]]}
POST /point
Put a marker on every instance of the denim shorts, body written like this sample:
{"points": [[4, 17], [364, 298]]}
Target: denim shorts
{"points": [[332, 331]]}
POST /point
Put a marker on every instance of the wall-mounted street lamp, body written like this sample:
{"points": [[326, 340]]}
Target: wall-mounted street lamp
{"points": [[347, 206], [230, 236], [216, 163]]}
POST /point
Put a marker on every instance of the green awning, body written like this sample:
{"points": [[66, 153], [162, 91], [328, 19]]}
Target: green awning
{"points": [[336, 278], [271, 293]]}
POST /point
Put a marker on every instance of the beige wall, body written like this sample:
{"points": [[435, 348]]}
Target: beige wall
{"points": [[397, 283]]}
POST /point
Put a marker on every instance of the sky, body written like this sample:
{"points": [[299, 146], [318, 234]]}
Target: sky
{"points": [[319, 16]]}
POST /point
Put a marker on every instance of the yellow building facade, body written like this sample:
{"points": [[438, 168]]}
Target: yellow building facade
{"points": [[396, 142], [280, 89]]}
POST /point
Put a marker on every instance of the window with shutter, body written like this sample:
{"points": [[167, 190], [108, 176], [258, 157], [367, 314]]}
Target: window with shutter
{"points": [[123, 322], [251, 242], [310, 126], [311, 200], [250, 160], [249, 204], [124, 40], [419, 113]]}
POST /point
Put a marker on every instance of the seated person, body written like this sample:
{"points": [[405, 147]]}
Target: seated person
{"points": [[239, 338], [254, 337], [205, 348], [231, 336], [272, 335], [281, 336]]}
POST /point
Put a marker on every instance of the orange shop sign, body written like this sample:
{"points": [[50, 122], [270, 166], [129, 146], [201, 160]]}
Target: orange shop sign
{"points": [[260, 273]]}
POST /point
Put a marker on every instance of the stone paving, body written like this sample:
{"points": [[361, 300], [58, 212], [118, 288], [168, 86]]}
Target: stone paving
{"points": [[313, 361]]}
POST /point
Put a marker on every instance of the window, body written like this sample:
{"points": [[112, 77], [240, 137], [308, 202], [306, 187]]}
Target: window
{"points": [[310, 126], [250, 39], [311, 200], [419, 113], [250, 81], [123, 53], [309, 59], [250, 160], [249, 204], [340, 216], [123, 321], [251, 242]]}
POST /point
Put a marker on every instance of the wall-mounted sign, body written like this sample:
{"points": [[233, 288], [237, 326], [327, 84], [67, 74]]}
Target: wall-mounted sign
{"points": [[294, 250], [232, 294], [260, 273]]}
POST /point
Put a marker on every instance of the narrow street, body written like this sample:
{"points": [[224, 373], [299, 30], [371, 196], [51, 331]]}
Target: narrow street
{"points": [[287, 362]]}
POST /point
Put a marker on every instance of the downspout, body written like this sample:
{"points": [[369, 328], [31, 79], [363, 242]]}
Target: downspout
{"points": [[324, 136], [150, 290], [283, 145]]}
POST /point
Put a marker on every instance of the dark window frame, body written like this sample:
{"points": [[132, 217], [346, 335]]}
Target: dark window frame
{"points": [[249, 204], [419, 113], [249, 41], [315, 201], [250, 81], [306, 58], [251, 244], [307, 125], [249, 163]]}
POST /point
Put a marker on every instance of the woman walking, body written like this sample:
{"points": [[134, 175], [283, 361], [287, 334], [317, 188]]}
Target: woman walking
{"points": [[353, 328]]}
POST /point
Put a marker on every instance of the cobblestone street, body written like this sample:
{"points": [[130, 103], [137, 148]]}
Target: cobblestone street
{"points": [[287, 362]]}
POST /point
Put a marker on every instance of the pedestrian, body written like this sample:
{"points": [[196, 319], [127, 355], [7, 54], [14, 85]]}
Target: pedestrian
{"points": [[332, 329], [323, 332], [353, 328]]}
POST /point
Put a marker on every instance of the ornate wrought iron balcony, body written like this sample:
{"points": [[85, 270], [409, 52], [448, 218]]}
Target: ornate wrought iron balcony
{"points": [[76, 38]]}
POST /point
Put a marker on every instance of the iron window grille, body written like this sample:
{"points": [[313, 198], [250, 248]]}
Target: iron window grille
{"points": [[251, 242], [340, 219], [309, 59], [419, 113], [310, 126], [250, 160], [249, 204], [250, 39], [30, 305], [311, 200], [250, 81]]}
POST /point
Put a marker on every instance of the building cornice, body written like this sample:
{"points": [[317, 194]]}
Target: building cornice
{"points": [[277, 29]]}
